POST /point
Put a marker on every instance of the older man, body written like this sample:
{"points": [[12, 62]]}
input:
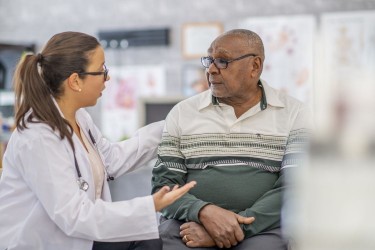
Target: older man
{"points": [[237, 140]]}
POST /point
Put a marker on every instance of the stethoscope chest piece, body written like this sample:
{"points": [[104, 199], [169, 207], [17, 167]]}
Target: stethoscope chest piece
{"points": [[83, 184]]}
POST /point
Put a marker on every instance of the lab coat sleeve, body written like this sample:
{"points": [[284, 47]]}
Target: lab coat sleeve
{"points": [[128, 155], [47, 165]]}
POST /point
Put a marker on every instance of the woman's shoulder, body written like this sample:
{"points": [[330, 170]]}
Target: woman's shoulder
{"points": [[35, 130], [34, 136]]}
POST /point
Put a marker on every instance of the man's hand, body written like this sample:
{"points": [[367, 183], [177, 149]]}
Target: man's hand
{"points": [[194, 235], [223, 226], [165, 196]]}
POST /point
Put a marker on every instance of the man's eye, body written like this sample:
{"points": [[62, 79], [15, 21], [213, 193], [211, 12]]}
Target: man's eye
{"points": [[221, 61]]}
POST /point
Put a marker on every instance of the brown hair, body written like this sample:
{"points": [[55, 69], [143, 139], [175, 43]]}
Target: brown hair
{"points": [[38, 77]]}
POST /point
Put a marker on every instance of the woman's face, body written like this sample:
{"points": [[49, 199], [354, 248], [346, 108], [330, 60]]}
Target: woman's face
{"points": [[93, 85]]}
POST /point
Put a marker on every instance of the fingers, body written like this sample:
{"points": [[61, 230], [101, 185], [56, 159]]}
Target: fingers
{"points": [[239, 235], [184, 229], [189, 185], [185, 239], [184, 232], [245, 220], [242, 220], [227, 242], [195, 235], [192, 244], [223, 243], [185, 226], [165, 196], [164, 190], [178, 192], [233, 240]]}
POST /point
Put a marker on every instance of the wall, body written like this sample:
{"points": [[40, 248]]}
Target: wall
{"points": [[23, 21], [36, 21]]}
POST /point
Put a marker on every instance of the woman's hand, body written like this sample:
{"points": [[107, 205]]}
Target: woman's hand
{"points": [[165, 196]]}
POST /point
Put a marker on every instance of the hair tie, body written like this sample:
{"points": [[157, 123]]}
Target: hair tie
{"points": [[39, 58]]}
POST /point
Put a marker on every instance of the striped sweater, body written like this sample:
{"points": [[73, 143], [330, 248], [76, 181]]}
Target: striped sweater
{"points": [[238, 163]]}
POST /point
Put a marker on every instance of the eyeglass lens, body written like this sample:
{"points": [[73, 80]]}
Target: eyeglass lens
{"points": [[105, 73], [219, 63]]}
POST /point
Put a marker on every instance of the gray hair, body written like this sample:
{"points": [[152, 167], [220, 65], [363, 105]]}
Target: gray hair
{"points": [[252, 38]]}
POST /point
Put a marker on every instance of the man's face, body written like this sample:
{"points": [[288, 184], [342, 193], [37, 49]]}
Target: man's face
{"points": [[238, 79]]}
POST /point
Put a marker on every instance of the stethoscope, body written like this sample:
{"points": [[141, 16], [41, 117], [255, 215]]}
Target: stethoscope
{"points": [[81, 182]]}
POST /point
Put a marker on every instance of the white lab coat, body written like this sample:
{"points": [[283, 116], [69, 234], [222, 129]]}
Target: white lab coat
{"points": [[41, 205]]}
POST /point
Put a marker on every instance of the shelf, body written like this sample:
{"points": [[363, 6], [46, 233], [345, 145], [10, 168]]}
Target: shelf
{"points": [[7, 98]]}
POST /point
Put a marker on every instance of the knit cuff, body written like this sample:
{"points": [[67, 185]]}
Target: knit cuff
{"points": [[193, 213]]}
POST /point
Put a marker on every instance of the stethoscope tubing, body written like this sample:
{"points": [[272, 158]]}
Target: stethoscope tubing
{"points": [[81, 182]]}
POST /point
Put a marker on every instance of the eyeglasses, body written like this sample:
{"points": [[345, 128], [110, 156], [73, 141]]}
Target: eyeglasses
{"points": [[220, 63], [105, 73]]}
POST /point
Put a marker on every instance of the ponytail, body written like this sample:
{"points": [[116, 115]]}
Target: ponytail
{"points": [[32, 93]]}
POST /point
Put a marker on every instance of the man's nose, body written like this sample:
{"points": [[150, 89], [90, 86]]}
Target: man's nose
{"points": [[212, 68]]}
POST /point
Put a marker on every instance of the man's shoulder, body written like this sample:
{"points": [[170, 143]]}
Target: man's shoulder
{"points": [[195, 101], [290, 100], [286, 99]]}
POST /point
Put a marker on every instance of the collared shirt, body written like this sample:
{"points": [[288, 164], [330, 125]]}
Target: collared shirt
{"points": [[237, 162], [271, 98], [200, 116]]}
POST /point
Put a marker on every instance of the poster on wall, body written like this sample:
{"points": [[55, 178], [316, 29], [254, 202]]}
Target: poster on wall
{"points": [[349, 45], [289, 50], [348, 63], [119, 101], [197, 37]]}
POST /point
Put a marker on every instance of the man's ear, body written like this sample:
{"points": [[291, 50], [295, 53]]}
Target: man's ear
{"points": [[74, 82], [257, 67]]}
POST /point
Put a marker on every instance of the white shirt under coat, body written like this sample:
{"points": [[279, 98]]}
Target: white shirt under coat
{"points": [[41, 205]]}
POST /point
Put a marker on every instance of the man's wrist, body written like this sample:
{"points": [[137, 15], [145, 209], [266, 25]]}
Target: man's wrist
{"points": [[203, 211], [194, 210]]}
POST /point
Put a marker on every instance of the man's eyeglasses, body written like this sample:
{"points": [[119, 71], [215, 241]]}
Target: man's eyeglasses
{"points": [[105, 73], [220, 63]]}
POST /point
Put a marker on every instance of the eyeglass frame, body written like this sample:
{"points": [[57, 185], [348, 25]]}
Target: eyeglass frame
{"points": [[223, 60], [97, 73]]}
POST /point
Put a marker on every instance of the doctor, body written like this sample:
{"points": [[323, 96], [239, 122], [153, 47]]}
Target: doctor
{"points": [[54, 191]]}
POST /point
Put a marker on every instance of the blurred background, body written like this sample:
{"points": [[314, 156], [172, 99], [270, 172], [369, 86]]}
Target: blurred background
{"points": [[322, 52]]}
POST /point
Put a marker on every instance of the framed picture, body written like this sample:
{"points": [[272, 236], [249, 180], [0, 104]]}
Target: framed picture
{"points": [[193, 80], [197, 37]]}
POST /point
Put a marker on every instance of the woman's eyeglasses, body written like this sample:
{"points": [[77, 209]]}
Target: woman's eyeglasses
{"points": [[105, 73], [221, 63]]}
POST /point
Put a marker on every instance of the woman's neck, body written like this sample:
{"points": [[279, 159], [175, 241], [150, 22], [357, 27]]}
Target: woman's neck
{"points": [[69, 111]]}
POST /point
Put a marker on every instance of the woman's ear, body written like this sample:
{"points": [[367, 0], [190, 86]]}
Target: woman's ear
{"points": [[74, 82]]}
